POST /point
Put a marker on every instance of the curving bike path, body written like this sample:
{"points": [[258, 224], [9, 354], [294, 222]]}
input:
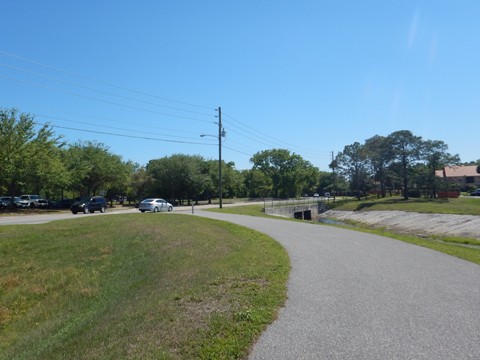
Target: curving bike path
{"points": [[353, 295]]}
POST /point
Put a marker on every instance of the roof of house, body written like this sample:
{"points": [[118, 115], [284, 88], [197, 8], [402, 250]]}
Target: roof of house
{"points": [[458, 171]]}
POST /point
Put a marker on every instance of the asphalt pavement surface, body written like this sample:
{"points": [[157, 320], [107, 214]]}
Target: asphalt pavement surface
{"points": [[353, 295]]}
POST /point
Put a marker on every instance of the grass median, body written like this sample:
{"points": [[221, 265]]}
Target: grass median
{"points": [[133, 286]]}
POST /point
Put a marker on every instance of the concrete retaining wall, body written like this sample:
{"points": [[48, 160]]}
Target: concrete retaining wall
{"points": [[306, 212]]}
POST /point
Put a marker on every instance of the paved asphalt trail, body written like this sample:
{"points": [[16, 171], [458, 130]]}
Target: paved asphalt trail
{"points": [[353, 295]]}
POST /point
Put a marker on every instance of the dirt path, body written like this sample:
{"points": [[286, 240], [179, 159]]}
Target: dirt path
{"points": [[414, 223]]}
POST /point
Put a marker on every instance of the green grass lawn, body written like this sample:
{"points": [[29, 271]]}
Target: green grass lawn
{"points": [[461, 205], [152, 286]]}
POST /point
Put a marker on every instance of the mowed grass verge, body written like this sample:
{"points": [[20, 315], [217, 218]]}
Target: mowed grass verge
{"points": [[460, 206], [137, 286]]}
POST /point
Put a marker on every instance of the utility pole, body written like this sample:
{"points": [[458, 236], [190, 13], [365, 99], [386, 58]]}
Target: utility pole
{"points": [[220, 133], [333, 178]]}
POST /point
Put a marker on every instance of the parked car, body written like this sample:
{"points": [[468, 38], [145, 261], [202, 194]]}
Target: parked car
{"points": [[19, 203], [3, 204], [32, 199], [155, 205], [327, 194], [7, 200], [64, 203], [475, 193], [45, 204], [89, 204]]}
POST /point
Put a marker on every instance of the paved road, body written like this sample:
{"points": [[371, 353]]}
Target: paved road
{"points": [[47, 217], [359, 296]]}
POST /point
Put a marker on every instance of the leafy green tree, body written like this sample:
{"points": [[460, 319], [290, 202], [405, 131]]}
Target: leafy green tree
{"points": [[210, 169], [232, 181], [178, 176], [27, 154], [288, 172], [120, 185], [94, 169], [309, 179], [48, 174], [377, 155], [325, 182], [352, 162], [435, 156], [257, 183], [140, 182]]}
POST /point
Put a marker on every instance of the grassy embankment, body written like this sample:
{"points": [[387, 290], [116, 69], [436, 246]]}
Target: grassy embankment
{"points": [[454, 246], [158, 286], [461, 247], [460, 206]]}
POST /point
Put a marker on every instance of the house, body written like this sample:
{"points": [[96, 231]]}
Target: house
{"points": [[465, 176]]}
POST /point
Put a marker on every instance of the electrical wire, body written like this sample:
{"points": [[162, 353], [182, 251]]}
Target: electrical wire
{"points": [[98, 81], [123, 135], [268, 138], [102, 100], [99, 91], [111, 127], [244, 130]]}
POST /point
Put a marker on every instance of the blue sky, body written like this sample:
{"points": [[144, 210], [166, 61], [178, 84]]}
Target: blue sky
{"points": [[145, 77]]}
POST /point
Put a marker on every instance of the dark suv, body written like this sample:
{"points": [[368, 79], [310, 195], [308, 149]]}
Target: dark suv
{"points": [[91, 204]]}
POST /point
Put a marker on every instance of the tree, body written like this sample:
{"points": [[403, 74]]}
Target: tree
{"points": [[140, 181], [377, 155], [48, 174], [232, 184], [325, 182], [406, 151], [289, 172], [94, 169], [27, 154], [352, 163], [257, 183], [435, 155], [178, 176]]}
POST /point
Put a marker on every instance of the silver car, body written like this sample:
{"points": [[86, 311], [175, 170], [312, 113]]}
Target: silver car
{"points": [[19, 203], [155, 205]]}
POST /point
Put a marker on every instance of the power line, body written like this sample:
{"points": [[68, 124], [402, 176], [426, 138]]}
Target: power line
{"points": [[123, 135], [267, 137], [116, 121], [99, 91], [110, 127], [237, 151], [102, 100], [244, 130], [100, 82]]}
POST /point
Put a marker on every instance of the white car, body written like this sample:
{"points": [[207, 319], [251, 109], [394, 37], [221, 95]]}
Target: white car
{"points": [[32, 200], [155, 205]]}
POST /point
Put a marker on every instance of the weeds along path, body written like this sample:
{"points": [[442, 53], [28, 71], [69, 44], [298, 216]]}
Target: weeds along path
{"points": [[353, 295]]}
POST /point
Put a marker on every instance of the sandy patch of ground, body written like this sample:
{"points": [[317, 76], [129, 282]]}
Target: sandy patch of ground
{"points": [[413, 223]]}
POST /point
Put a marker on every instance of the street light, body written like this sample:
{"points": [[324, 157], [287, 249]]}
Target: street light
{"points": [[221, 132]]}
